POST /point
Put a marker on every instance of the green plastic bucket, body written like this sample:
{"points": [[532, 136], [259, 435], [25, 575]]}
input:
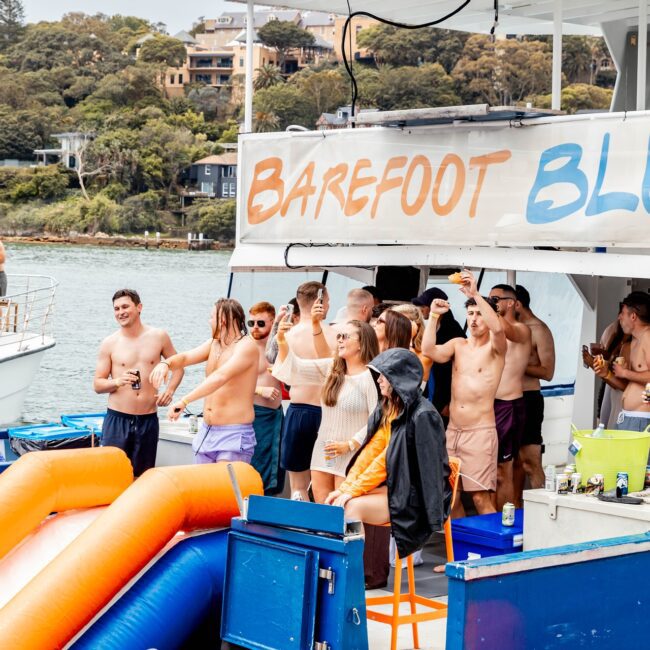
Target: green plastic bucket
{"points": [[622, 451]]}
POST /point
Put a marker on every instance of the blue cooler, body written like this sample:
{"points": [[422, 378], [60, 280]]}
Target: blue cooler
{"points": [[485, 536]]}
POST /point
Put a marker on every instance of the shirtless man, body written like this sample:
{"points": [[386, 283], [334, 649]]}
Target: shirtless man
{"points": [[635, 320], [509, 404], [541, 365], [304, 413], [476, 372], [131, 421], [228, 388], [267, 404]]}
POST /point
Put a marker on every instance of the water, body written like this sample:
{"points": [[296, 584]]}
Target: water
{"points": [[177, 289]]}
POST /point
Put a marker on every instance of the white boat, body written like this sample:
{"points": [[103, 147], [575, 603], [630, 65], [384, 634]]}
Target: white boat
{"points": [[25, 335]]}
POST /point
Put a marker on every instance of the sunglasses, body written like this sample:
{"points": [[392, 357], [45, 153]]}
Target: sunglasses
{"points": [[343, 336], [259, 323], [498, 299]]}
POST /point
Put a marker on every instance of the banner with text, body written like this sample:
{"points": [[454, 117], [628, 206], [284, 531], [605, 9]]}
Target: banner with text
{"points": [[581, 182]]}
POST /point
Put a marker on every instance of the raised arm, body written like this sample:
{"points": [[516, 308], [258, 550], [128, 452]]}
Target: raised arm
{"points": [[321, 344], [545, 369], [430, 348], [177, 362], [490, 317]]}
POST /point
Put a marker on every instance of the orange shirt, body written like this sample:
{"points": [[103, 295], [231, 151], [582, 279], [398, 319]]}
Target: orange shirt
{"points": [[369, 470]]}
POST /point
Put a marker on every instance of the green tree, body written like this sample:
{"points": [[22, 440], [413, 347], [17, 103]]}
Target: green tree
{"points": [[283, 35], [400, 47], [578, 97], [264, 122], [502, 72], [326, 89], [12, 18], [406, 87], [214, 218], [212, 102], [163, 50], [288, 103], [266, 76]]}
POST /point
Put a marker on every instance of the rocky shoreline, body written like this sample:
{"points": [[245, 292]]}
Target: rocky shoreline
{"points": [[101, 239]]}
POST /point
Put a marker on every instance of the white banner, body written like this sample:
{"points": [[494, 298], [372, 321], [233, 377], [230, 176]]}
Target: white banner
{"points": [[566, 182]]}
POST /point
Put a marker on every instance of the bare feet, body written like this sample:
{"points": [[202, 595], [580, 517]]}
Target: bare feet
{"points": [[440, 568]]}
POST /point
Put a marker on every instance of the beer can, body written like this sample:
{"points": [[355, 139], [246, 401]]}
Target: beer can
{"points": [[595, 485], [561, 484], [576, 479], [549, 478], [621, 484], [646, 483], [137, 385], [193, 424], [646, 393], [508, 514]]}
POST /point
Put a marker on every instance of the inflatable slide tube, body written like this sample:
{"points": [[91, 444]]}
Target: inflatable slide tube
{"points": [[175, 604], [40, 547], [85, 576], [42, 482]]}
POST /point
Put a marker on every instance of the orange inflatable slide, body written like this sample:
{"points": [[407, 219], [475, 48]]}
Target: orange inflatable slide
{"points": [[141, 519]]}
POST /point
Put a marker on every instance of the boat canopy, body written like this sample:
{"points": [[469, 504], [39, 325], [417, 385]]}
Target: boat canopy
{"points": [[536, 194], [582, 17]]}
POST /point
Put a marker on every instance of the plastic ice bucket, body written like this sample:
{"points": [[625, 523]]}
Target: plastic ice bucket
{"points": [[617, 451]]}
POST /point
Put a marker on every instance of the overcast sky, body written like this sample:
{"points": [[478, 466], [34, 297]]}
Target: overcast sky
{"points": [[176, 15]]}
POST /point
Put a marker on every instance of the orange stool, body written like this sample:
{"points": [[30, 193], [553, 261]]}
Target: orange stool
{"points": [[439, 610]]}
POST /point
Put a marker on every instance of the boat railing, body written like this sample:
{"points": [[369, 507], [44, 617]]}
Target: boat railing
{"points": [[26, 311]]}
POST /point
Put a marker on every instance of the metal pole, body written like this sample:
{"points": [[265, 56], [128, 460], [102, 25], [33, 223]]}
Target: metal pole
{"points": [[556, 89], [642, 54], [248, 90]]}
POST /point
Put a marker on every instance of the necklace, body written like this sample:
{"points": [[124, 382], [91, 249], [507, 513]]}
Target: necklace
{"points": [[223, 348]]}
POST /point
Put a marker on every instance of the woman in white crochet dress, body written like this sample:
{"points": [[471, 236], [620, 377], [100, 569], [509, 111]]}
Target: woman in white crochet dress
{"points": [[348, 397]]}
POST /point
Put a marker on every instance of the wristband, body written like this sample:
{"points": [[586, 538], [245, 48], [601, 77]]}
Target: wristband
{"points": [[166, 363], [609, 375], [320, 331], [434, 315], [184, 402]]}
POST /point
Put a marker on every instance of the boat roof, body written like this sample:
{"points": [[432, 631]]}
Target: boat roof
{"points": [[580, 17]]}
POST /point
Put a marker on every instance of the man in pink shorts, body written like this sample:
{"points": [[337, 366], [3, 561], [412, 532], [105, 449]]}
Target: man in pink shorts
{"points": [[477, 367]]}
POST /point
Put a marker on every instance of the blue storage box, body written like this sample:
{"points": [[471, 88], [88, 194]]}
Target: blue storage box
{"points": [[485, 536], [44, 437], [93, 421]]}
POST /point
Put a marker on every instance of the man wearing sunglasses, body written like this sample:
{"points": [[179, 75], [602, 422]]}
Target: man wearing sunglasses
{"points": [[267, 403], [509, 405]]}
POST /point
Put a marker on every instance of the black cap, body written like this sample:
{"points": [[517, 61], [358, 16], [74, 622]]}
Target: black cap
{"points": [[427, 297]]}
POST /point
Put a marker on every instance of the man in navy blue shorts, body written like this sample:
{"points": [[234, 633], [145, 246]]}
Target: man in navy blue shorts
{"points": [[126, 359]]}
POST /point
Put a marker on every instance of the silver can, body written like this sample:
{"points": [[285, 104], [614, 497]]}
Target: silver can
{"points": [[576, 479], [508, 514], [549, 478], [193, 425]]}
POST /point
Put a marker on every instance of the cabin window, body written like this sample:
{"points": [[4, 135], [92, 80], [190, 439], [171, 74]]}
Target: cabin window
{"points": [[208, 170], [172, 78]]}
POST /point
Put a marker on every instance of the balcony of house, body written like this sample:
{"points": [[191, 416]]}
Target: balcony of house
{"points": [[210, 63], [216, 80]]}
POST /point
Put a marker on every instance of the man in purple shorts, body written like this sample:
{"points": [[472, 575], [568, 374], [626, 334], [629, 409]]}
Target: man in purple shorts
{"points": [[509, 406], [229, 387]]}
